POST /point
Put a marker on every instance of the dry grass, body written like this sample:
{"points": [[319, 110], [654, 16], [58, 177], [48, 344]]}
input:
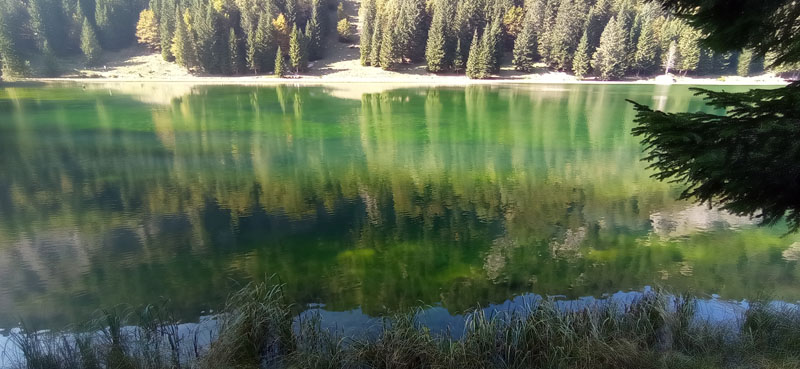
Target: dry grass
{"points": [[255, 331]]}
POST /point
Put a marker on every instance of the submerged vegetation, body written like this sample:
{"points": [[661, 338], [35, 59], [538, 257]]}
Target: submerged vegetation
{"points": [[259, 328]]}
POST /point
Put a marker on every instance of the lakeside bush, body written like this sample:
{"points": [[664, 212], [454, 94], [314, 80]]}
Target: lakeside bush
{"points": [[255, 330]]}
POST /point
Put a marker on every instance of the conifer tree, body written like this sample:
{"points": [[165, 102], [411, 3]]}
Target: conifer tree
{"points": [[367, 16], [261, 46], [626, 19], [291, 12], [477, 66], [581, 64], [280, 64], [647, 50], [167, 31], [320, 16], [89, 43], [252, 55], [525, 46], [235, 52], [377, 41], [459, 63], [494, 45], [390, 45], [609, 59], [596, 22], [13, 65], [689, 49], [50, 67], [566, 33], [203, 32], [182, 45], [745, 62], [297, 51], [472, 60], [410, 31], [545, 28], [436, 48], [314, 39]]}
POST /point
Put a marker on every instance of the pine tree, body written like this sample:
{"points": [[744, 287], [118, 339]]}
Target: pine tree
{"points": [[390, 45], [494, 45], [377, 40], [314, 39], [252, 56], [626, 19], [147, 30], [525, 46], [280, 65], [609, 59], [458, 58], [291, 12], [167, 31], [548, 10], [50, 67], [297, 51], [745, 62], [436, 49], [566, 33], [260, 46], [89, 43], [648, 52], [116, 22], [182, 46], [595, 24], [367, 16], [689, 49], [235, 52], [479, 58], [319, 14], [409, 30], [581, 64], [13, 65]]}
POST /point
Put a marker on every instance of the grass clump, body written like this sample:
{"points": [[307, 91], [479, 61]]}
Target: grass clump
{"points": [[257, 330]]}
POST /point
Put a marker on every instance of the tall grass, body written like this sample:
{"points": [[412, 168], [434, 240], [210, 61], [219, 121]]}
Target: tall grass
{"points": [[255, 330]]}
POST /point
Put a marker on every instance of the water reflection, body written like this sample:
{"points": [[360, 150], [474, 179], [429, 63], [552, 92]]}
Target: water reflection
{"points": [[450, 196]]}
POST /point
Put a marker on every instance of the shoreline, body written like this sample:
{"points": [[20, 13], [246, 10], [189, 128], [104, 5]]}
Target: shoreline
{"points": [[620, 331], [417, 80]]}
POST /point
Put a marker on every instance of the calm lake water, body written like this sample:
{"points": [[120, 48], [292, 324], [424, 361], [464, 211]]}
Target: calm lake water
{"points": [[356, 198]]}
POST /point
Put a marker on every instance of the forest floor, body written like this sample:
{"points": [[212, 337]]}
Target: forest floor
{"points": [[341, 64]]}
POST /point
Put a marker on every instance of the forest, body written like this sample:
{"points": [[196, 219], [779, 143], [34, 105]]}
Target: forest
{"points": [[608, 39]]}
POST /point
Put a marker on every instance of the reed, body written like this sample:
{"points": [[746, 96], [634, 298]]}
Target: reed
{"points": [[256, 330]]}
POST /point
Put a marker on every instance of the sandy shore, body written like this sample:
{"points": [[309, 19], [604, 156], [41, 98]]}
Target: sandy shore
{"points": [[429, 79]]}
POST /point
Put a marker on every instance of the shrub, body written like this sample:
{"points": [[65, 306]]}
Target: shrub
{"points": [[345, 30]]}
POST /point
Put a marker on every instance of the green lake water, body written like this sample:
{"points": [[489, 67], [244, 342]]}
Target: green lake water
{"points": [[354, 197]]}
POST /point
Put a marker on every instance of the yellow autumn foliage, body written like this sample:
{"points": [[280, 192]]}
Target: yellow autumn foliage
{"points": [[147, 30]]}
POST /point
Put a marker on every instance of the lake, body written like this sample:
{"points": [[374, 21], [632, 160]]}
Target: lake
{"points": [[359, 198]]}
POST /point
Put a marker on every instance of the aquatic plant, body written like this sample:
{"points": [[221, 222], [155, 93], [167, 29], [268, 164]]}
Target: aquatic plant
{"points": [[257, 329]]}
